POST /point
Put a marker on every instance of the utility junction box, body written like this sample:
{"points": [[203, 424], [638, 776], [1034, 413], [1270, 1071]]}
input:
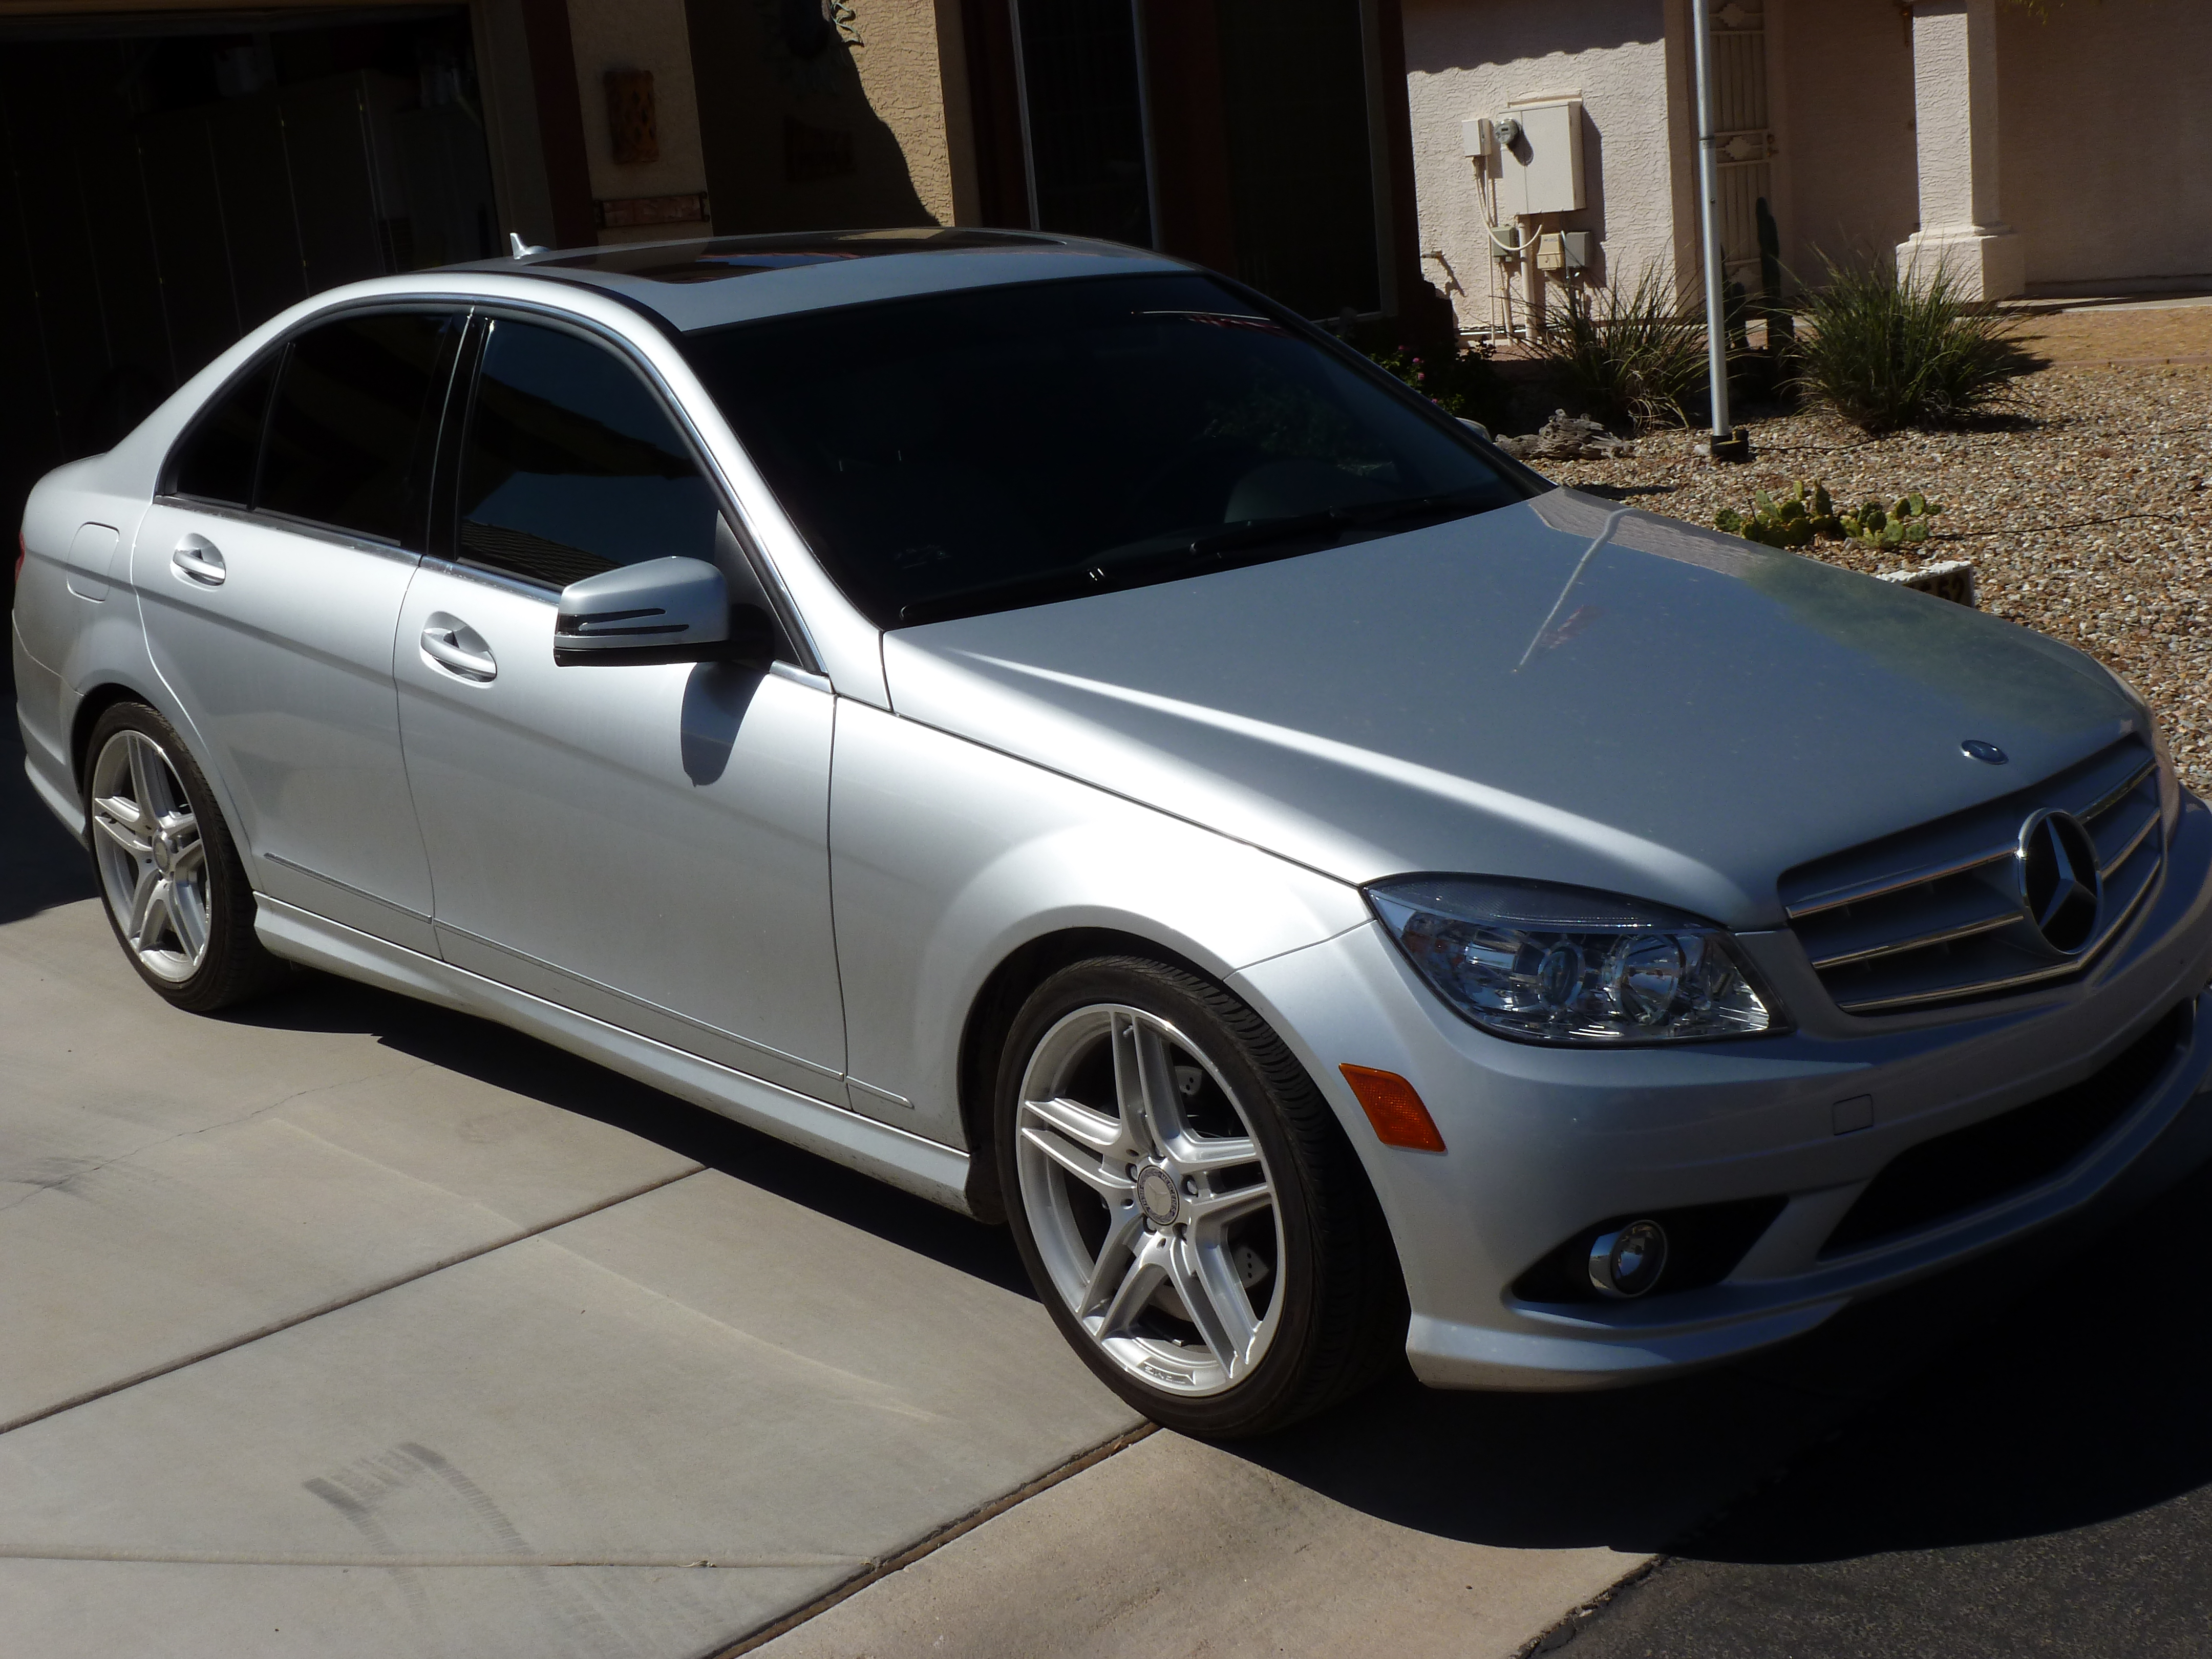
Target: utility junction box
{"points": [[1542, 170], [1564, 251]]}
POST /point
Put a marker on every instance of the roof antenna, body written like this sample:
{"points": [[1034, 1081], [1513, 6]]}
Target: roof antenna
{"points": [[523, 249]]}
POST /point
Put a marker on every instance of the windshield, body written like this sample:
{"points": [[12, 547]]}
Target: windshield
{"points": [[996, 447]]}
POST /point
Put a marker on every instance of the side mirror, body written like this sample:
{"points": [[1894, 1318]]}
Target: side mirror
{"points": [[660, 611]]}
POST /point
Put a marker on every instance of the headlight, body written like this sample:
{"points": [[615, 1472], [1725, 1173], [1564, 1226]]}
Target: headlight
{"points": [[1564, 965]]}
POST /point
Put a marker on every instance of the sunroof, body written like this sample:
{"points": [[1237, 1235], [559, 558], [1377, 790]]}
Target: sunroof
{"points": [[748, 256]]}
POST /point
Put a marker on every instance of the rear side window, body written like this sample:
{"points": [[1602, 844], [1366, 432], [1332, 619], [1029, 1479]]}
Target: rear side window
{"points": [[215, 462], [572, 463], [352, 424]]}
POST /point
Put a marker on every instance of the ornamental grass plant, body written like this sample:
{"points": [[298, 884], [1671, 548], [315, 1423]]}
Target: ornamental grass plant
{"points": [[1885, 349], [1635, 355]]}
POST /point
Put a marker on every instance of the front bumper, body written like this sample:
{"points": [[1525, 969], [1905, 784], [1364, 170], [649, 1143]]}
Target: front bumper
{"points": [[1544, 1142]]}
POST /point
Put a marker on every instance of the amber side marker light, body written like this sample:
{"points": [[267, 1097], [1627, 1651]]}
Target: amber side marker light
{"points": [[1394, 1107]]}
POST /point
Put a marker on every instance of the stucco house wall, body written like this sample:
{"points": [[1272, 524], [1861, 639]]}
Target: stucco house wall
{"points": [[2105, 117], [1472, 58], [812, 137]]}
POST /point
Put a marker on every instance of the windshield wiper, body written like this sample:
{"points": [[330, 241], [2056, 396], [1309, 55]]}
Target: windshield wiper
{"points": [[1334, 520], [1011, 593], [1449, 502], [1151, 560]]}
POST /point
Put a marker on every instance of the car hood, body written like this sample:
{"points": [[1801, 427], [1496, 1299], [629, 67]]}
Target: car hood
{"points": [[1562, 689]]}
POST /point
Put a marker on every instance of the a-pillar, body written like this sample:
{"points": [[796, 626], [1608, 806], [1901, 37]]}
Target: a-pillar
{"points": [[1962, 230]]}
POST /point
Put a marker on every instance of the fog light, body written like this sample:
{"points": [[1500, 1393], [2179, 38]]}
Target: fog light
{"points": [[1628, 1260]]}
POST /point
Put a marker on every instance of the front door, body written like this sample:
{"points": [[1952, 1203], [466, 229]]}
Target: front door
{"points": [[645, 844], [271, 569]]}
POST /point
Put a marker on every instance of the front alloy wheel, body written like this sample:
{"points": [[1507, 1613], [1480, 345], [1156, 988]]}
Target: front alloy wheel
{"points": [[1186, 1203], [1150, 1200]]}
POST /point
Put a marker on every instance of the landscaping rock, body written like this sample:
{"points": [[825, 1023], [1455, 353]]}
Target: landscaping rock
{"points": [[1946, 579], [1567, 437]]}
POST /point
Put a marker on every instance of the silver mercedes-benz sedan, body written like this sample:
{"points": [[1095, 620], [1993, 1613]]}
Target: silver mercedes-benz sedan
{"points": [[1035, 721]]}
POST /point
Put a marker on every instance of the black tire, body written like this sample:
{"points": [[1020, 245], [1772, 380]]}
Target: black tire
{"points": [[1339, 1307], [236, 967]]}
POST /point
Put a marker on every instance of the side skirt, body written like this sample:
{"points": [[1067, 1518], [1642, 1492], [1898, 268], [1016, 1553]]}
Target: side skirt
{"points": [[891, 1154]]}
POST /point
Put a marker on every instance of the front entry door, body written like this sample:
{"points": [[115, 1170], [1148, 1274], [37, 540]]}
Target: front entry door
{"points": [[647, 845]]}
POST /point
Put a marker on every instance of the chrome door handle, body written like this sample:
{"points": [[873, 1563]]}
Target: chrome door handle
{"points": [[199, 560], [454, 645]]}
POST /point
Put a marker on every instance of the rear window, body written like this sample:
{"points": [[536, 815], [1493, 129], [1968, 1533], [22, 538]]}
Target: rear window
{"points": [[349, 431], [978, 450], [215, 461]]}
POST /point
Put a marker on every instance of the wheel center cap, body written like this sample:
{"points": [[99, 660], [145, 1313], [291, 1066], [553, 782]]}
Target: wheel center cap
{"points": [[1157, 1197]]}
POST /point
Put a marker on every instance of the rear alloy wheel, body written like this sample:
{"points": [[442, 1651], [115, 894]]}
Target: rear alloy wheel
{"points": [[1186, 1204], [169, 877]]}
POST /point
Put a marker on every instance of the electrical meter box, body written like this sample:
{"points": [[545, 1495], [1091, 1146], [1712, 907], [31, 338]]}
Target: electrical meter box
{"points": [[1542, 169]]}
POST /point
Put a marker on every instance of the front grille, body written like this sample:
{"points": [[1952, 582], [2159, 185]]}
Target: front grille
{"points": [[1986, 1161], [1934, 915]]}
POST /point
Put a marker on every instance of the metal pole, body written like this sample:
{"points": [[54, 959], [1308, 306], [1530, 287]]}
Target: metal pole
{"points": [[1022, 100], [1709, 181], [1145, 124]]}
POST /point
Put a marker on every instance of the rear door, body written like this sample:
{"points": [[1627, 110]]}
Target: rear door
{"points": [[647, 844], [271, 570]]}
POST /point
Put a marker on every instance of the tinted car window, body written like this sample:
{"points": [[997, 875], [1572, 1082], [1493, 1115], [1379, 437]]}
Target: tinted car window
{"points": [[350, 428], [572, 465], [975, 451], [215, 462]]}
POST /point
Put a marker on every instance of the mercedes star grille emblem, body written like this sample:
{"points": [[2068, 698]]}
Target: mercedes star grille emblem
{"points": [[2060, 888]]}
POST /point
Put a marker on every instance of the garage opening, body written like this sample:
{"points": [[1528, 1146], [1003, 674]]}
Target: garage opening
{"points": [[169, 182]]}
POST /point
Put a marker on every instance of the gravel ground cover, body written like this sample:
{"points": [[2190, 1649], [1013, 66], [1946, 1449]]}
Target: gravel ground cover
{"points": [[2086, 511]]}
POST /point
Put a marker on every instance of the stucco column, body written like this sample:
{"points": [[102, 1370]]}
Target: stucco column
{"points": [[1954, 82]]}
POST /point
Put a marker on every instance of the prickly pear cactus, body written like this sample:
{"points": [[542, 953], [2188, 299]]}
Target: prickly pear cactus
{"points": [[1795, 520], [1809, 513], [1904, 522]]}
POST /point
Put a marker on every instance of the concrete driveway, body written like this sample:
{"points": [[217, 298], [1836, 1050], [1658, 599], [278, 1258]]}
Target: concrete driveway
{"points": [[350, 1325]]}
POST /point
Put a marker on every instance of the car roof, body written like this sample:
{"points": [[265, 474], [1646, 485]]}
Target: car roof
{"points": [[709, 281]]}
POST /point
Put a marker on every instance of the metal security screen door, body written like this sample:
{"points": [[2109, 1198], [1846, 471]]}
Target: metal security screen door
{"points": [[1746, 141], [1082, 118]]}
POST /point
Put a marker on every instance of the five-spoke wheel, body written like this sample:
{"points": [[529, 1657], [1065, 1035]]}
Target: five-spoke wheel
{"points": [[1149, 1199], [1185, 1202], [153, 864], [169, 876]]}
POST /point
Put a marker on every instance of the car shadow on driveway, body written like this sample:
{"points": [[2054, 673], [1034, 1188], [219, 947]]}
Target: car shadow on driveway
{"points": [[44, 865], [523, 1066], [2051, 1386]]}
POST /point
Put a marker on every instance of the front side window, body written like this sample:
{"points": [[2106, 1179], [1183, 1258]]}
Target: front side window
{"points": [[981, 450], [215, 461], [352, 424], [572, 465]]}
